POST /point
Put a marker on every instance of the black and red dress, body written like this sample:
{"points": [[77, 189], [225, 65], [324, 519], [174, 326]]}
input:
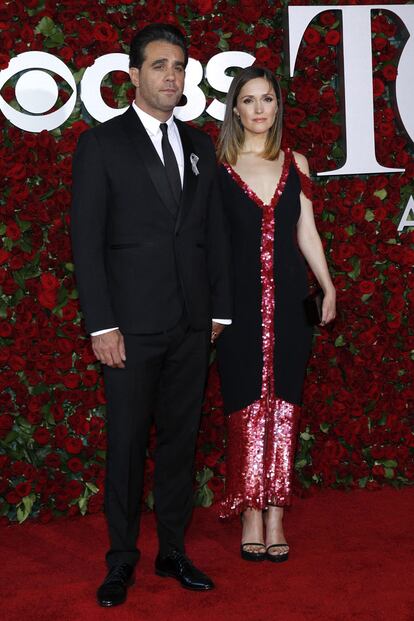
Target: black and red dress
{"points": [[262, 356]]}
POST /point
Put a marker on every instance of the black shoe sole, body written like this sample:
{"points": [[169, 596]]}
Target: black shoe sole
{"points": [[165, 574], [109, 604], [275, 558], [251, 556]]}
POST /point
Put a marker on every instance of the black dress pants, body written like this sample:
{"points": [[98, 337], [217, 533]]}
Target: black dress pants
{"points": [[164, 378]]}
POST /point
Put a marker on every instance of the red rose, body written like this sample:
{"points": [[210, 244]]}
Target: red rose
{"points": [[105, 32], [203, 6], [13, 231], [327, 18], [42, 436], [13, 498], [366, 287], [332, 38], [48, 299], [4, 256], [390, 72], [379, 87], [73, 445], [262, 32], [23, 489], [74, 464], [263, 54], [6, 423], [95, 503], [90, 378], [358, 213], [17, 172], [49, 282], [5, 329], [45, 516], [71, 380], [74, 489]]}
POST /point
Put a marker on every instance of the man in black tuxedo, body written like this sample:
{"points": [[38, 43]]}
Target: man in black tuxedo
{"points": [[152, 271]]}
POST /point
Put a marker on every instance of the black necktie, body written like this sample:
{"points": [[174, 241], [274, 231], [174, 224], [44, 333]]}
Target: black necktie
{"points": [[170, 163]]}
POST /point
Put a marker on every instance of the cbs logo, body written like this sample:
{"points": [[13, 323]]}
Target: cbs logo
{"points": [[36, 91]]}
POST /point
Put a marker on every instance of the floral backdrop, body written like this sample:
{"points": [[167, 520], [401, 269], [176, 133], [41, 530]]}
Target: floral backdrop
{"points": [[357, 423]]}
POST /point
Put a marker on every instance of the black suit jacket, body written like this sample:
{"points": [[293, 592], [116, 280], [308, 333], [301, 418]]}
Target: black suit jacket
{"points": [[137, 263]]}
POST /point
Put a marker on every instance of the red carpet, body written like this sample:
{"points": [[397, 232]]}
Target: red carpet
{"points": [[352, 557]]}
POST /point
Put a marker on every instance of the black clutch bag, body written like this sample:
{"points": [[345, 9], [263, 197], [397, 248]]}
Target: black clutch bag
{"points": [[313, 307]]}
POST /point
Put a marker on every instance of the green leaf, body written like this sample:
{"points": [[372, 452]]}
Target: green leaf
{"points": [[381, 194], [389, 473], [24, 225], [83, 505], [337, 152], [46, 27], [11, 437], [20, 514], [301, 463], [58, 37], [19, 279], [204, 497], [306, 436], [363, 481], [389, 463], [203, 476], [3, 310], [25, 246], [356, 263], [78, 75], [92, 487], [4, 509], [324, 427], [365, 296], [149, 501], [24, 508], [340, 341], [369, 215], [70, 267]]}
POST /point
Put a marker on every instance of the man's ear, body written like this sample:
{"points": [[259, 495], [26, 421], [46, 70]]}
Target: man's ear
{"points": [[134, 75]]}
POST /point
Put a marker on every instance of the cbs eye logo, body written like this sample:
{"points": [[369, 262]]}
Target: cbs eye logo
{"points": [[36, 91]]}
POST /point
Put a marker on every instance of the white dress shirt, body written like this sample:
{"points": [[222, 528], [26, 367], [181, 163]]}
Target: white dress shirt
{"points": [[152, 127]]}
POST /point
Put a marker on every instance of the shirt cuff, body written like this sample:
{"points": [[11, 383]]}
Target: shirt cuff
{"points": [[103, 331], [224, 322]]}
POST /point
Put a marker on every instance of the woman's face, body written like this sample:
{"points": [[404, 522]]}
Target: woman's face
{"points": [[256, 106]]}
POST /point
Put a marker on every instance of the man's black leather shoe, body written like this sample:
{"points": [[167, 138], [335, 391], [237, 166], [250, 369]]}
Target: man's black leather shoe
{"points": [[177, 565], [113, 590]]}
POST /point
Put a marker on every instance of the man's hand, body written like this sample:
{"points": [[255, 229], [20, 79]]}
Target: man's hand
{"points": [[109, 348], [216, 330]]}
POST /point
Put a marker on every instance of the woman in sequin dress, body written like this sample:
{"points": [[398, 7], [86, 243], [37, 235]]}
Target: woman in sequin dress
{"points": [[262, 356]]}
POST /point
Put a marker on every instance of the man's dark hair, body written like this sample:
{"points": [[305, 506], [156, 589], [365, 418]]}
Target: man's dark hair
{"points": [[155, 32]]}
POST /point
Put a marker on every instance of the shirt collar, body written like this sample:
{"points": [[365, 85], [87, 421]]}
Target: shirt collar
{"points": [[151, 124]]}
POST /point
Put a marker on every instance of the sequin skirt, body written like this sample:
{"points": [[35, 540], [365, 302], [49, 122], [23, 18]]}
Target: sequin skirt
{"points": [[261, 442]]}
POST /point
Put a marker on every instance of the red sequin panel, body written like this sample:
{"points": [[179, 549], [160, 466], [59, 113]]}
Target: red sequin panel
{"points": [[261, 437]]}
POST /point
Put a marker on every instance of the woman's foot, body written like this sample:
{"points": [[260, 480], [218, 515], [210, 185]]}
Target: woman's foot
{"points": [[252, 544], [277, 548]]}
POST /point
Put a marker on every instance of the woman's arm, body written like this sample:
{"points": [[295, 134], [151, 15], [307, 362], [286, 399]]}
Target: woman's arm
{"points": [[311, 247]]}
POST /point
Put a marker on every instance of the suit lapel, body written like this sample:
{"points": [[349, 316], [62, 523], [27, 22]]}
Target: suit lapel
{"points": [[190, 179], [146, 151]]}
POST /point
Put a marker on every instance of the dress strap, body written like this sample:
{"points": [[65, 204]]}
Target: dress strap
{"points": [[306, 184]]}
